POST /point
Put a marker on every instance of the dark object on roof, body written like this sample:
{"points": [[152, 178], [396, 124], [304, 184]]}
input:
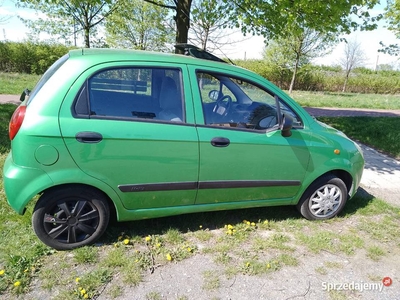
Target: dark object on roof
{"points": [[194, 51]]}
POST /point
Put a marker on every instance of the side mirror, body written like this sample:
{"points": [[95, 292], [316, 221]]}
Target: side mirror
{"points": [[286, 126]]}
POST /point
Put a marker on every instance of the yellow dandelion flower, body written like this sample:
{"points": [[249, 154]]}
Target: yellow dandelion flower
{"points": [[248, 223], [230, 227], [253, 224], [169, 257], [158, 245], [247, 264], [266, 222], [268, 266], [147, 238], [136, 260], [200, 226], [2, 272], [126, 241], [77, 279], [86, 296], [83, 292], [189, 249], [17, 283]]}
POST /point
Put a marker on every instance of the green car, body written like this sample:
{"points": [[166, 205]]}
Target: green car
{"points": [[135, 135]]}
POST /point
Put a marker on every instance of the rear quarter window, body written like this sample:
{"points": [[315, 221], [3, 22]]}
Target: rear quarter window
{"points": [[46, 76]]}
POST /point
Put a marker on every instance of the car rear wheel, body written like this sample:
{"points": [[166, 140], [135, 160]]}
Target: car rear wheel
{"points": [[70, 217], [324, 199]]}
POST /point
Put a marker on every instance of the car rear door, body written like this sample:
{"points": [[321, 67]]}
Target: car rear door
{"points": [[135, 133]]}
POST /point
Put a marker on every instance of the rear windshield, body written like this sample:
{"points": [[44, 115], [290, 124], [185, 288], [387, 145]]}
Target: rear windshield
{"points": [[54, 67]]}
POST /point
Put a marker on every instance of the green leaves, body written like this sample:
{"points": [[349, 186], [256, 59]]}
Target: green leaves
{"points": [[275, 18], [66, 18]]}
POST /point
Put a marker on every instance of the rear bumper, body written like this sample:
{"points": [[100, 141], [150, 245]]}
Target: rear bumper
{"points": [[21, 184]]}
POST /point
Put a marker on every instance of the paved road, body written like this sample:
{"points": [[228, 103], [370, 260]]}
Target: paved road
{"points": [[14, 99], [381, 176], [350, 112]]}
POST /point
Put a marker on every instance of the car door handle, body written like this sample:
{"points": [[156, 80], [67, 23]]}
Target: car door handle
{"points": [[88, 137], [220, 142]]}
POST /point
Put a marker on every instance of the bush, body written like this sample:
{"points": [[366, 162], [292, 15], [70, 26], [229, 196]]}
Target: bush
{"points": [[29, 57], [328, 78]]}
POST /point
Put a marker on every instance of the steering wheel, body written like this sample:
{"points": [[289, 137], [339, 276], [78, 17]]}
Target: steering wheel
{"points": [[223, 106]]}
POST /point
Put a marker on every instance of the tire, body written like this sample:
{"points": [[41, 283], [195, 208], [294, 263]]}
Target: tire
{"points": [[324, 199], [70, 217]]}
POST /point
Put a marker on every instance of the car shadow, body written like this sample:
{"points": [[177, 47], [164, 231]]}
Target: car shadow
{"points": [[378, 162], [360, 200], [193, 222], [218, 219]]}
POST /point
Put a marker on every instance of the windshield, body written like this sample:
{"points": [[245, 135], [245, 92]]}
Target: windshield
{"points": [[46, 76]]}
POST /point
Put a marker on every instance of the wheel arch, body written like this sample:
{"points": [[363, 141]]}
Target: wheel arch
{"points": [[345, 176], [110, 202]]}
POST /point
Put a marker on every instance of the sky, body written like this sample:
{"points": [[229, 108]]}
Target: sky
{"points": [[249, 47]]}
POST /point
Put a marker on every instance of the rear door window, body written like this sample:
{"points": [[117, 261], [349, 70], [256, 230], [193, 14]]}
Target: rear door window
{"points": [[135, 93]]}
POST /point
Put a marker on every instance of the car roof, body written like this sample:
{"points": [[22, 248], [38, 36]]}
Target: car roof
{"points": [[107, 54]]}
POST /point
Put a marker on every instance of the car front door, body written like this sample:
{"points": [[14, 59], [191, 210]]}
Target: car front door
{"points": [[133, 128], [243, 155]]}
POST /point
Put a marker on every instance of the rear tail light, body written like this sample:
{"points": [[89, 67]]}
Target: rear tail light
{"points": [[16, 121]]}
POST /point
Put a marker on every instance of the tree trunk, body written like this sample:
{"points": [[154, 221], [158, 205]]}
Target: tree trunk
{"points": [[87, 37], [296, 67], [345, 81], [182, 21]]}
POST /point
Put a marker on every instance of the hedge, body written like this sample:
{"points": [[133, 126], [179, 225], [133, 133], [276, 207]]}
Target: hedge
{"points": [[28, 57]]}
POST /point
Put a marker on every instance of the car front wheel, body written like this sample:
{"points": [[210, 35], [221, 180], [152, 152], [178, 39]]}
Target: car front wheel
{"points": [[70, 217], [324, 199]]}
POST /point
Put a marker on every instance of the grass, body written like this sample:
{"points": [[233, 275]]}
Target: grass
{"points": [[378, 132], [15, 83], [6, 111], [346, 100]]}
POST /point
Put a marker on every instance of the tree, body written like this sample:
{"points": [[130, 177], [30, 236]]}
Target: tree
{"points": [[65, 18], [182, 18], [138, 25], [353, 57], [3, 19], [273, 18], [207, 24], [392, 16], [297, 50]]}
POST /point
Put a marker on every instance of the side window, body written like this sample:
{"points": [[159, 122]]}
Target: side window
{"points": [[137, 93], [230, 102]]}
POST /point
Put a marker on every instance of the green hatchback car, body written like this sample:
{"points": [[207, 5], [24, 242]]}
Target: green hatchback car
{"points": [[137, 135]]}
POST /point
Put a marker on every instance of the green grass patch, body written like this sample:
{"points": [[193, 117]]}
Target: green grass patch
{"points": [[15, 83], [6, 111], [375, 253], [380, 133], [346, 100]]}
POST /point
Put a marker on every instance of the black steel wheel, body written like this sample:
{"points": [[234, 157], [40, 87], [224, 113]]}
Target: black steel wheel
{"points": [[70, 217]]}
